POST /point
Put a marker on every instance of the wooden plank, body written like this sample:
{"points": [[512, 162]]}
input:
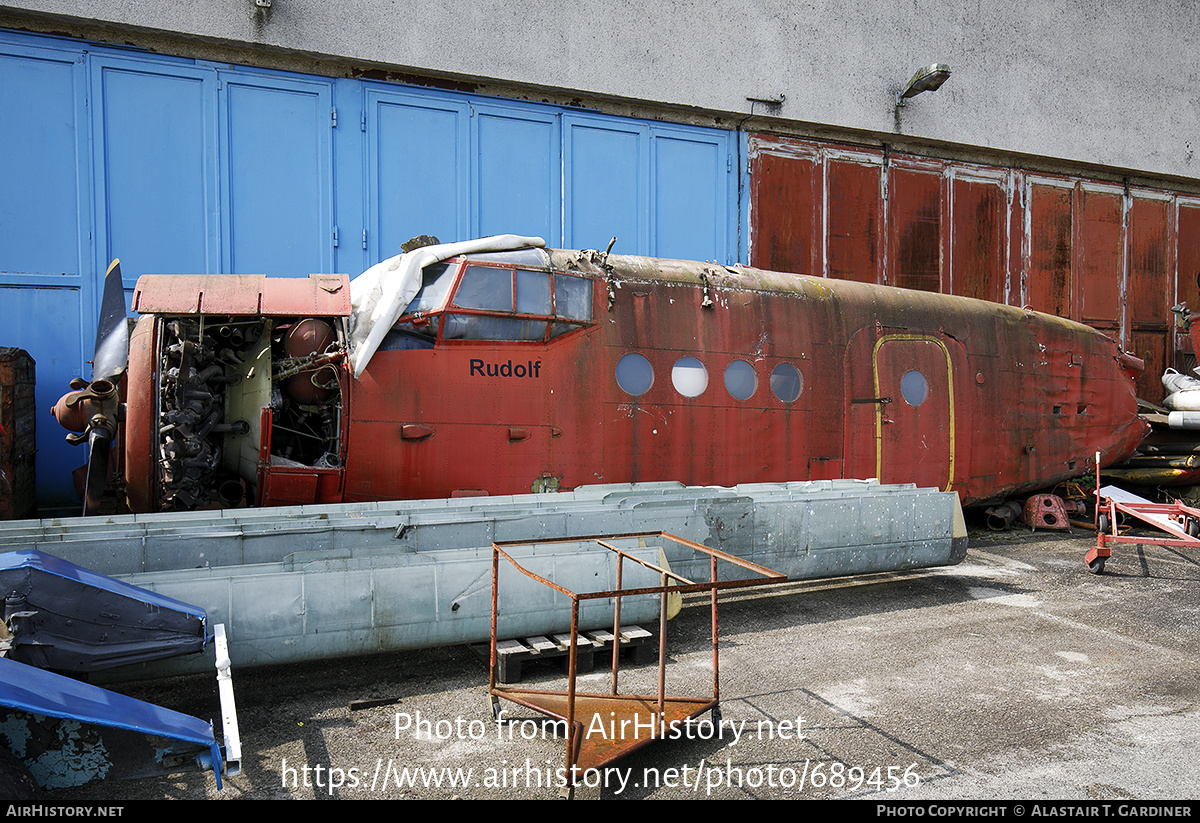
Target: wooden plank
{"points": [[541, 644]]}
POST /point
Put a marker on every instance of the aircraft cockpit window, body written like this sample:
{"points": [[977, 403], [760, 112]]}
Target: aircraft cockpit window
{"points": [[740, 380], [486, 327], [436, 280], [485, 288], [635, 375], [786, 382], [572, 297], [406, 337], [497, 303], [533, 292], [689, 377]]}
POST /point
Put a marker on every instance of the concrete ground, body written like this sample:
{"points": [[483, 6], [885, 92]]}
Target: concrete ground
{"points": [[1015, 675]]}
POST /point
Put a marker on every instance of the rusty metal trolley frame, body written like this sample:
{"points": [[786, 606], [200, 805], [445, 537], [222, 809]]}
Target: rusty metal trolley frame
{"points": [[651, 715], [1179, 520]]}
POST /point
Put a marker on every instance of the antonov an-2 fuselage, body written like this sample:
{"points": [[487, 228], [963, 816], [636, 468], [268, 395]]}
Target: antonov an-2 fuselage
{"points": [[541, 369]]}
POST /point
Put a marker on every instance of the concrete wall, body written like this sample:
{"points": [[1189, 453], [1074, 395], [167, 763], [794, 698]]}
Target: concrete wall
{"points": [[1109, 84]]}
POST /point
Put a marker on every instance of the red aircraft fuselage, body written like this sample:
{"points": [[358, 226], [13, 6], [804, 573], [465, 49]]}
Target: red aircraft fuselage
{"points": [[542, 370]]}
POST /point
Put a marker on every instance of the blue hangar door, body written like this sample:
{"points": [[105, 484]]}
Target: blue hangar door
{"points": [[183, 166]]}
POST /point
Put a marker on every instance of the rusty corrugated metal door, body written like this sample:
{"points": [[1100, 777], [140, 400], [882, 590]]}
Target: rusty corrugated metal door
{"points": [[1187, 279], [854, 220], [915, 229], [1048, 281], [1099, 259], [786, 204], [1148, 300], [977, 259]]}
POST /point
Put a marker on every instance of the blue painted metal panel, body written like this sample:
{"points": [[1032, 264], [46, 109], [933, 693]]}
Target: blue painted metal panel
{"points": [[56, 566], [156, 167], [417, 162], [605, 162], [71, 619], [75, 759], [517, 173], [690, 216], [39, 210], [277, 182], [348, 153], [42, 316], [575, 179], [44, 220], [665, 191]]}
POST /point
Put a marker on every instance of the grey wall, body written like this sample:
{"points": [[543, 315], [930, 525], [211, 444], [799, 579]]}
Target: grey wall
{"points": [[1108, 83]]}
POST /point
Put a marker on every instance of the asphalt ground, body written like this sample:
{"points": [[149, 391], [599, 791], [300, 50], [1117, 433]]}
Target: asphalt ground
{"points": [[1014, 675]]}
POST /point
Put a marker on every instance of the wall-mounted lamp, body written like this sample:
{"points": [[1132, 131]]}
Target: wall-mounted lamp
{"points": [[927, 78]]}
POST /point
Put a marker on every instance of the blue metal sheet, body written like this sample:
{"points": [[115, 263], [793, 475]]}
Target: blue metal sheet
{"points": [[155, 159], [605, 162], [42, 316], [43, 211], [690, 181], [278, 188], [27, 689], [69, 619], [417, 177], [518, 172], [39, 209], [34, 559]]}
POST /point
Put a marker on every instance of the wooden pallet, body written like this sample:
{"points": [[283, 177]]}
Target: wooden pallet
{"points": [[511, 655]]}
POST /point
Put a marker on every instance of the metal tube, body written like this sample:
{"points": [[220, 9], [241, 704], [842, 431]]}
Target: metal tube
{"points": [[713, 595], [572, 727], [616, 649], [495, 606], [662, 649]]}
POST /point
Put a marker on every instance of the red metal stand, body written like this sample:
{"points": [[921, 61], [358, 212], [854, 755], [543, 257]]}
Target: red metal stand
{"points": [[1180, 521], [1177, 519]]}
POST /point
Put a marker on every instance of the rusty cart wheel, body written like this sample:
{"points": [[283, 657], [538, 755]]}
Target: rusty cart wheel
{"points": [[1193, 527], [1097, 565]]}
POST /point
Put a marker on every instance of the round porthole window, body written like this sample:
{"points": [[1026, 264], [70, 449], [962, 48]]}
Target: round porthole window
{"points": [[635, 375], [914, 387], [740, 380], [689, 377], [786, 382]]}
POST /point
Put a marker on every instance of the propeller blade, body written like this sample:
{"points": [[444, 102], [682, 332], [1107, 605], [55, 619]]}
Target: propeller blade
{"points": [[99, 442], [112, 332]]}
